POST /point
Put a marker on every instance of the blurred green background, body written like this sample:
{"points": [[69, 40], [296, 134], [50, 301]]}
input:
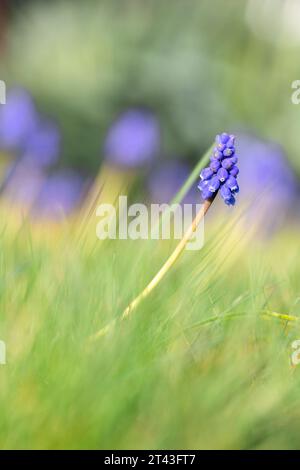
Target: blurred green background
{"points": [[132, 93], [200, 66]]}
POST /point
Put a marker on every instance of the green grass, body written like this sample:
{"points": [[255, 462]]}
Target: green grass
{"points": [[197, 365]]}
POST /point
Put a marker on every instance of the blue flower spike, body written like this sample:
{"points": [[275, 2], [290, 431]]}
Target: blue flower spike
{"points": [[222, 172]]}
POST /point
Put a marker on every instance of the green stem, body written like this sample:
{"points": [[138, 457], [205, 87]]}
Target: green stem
{"points": [[264, 313], [189, 183], [178, 198]]}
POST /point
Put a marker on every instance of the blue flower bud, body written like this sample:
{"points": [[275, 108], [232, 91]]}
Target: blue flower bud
{"points": [[222, 174], [228, 152], [221, 147], [231, 201], [206, 194], [223, 138], [206, 174], [234, 171], [230, 142], [232, 184], [215, 165], [203, 184], [217, 154], [227, 163], [225, 192], [214, 184]]}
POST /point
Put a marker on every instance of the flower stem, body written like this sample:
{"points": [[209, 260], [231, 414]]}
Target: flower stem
{"points": [[162, 272], [170, 261]]}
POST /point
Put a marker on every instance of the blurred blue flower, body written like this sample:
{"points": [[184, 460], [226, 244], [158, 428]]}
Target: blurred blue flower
{"points": [[133, 140], [264, 167], [222, 171], [23, 184], [60, 195], [166, 180], [18, 119], [23, 132], [42, 146], [267, 179]]}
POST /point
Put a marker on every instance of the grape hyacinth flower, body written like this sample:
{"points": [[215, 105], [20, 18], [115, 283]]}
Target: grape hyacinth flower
{"points": [[18, 119], [267, 177], [133, 140], [25, 133], [33, 141], [42, 147], [222, 172]]}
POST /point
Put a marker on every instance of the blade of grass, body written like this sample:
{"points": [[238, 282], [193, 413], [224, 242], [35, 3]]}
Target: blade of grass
{"points": [[264, 314], [191, 180]]}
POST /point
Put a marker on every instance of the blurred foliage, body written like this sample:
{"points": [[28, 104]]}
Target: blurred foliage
{"points": [[198, 365], [197, 64]]}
